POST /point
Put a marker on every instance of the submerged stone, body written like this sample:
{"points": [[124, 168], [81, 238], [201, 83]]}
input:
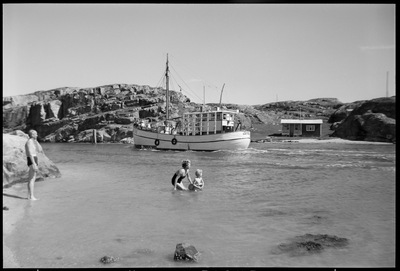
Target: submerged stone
{"points": [[310, 244], [108, 259], [186, 252], [325, 240]]}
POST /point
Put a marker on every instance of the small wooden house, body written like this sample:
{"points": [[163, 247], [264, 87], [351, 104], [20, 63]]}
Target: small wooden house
{"points": [[305, 128]]}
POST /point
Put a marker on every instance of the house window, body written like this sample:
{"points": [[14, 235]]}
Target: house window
{"points": [[310, 128]]}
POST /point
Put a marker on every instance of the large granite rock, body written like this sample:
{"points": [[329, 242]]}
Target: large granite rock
{"points": [[385, 105], [15, 169], [15, 116], [372, 120], [20, 100], [343, 112], [119, 132], [87, 136], [52, 127], [369, 126]]}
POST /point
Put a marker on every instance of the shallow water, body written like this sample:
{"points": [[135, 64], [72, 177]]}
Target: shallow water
{"points": [[118, 201]]}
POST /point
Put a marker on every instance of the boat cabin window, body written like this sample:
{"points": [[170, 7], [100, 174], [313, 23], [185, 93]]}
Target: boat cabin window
{"points": [[206, 123], [228, 117]]}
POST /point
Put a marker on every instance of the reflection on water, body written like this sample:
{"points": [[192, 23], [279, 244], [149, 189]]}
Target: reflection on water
{"points": [[118, 201]]}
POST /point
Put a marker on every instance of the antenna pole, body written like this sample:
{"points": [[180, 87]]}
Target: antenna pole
{"points": [[387, 84], [220, 98], [167, 88]]}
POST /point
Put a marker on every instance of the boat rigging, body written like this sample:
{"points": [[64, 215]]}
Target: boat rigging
{"points": [[200, 131]]}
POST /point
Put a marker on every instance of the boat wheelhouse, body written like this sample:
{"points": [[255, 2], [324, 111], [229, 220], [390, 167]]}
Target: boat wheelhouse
{"points": [[213, 122]]}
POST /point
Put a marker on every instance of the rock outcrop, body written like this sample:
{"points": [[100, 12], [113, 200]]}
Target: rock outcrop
{"points": [[15, 116], [343, 112], [15, 169], [59, 115], [372, 120], [67, 114]]}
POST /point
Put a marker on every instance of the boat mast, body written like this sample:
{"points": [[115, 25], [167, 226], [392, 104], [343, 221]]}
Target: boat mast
{"points": [[167, 88], [204, 97]]}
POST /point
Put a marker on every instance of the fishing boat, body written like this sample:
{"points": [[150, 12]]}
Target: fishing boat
{"points": [[198, 131]]}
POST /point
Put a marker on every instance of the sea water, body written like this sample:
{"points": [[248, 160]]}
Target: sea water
{"points": [[115, 200]]}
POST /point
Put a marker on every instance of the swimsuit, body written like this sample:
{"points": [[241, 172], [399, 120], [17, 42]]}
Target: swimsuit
{"points": [[178, 181], [30, 161]]}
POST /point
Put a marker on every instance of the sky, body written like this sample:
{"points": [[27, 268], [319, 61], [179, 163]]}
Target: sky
{"points": [[255, 53]]}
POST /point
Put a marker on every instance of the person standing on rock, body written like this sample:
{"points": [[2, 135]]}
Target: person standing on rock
{"points": [[32, 148]]}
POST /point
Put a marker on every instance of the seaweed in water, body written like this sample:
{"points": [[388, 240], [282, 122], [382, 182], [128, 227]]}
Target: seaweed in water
{"points": [[326, 240], [309, 244]]}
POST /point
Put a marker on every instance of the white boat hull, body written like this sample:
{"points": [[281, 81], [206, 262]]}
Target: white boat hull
{"points": [[223, 141]]}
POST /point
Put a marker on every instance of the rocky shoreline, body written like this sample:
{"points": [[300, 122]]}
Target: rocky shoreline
{"points": [[71, 114]]}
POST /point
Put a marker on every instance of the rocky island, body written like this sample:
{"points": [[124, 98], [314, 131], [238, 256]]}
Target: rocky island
{"points": [[70, 114]]}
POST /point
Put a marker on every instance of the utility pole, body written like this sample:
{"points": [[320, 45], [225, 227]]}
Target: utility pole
{"points": [[387, 84], [220, 98]]}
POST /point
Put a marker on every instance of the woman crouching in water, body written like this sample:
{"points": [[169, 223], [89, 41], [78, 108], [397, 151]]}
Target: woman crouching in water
{"points": [[180, 175]]}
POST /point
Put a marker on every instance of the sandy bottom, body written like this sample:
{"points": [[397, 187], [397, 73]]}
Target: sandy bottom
{"points": [[12, 198]]}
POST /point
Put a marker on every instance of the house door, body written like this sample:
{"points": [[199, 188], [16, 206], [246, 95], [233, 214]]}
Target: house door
{"points": [[291, 129]]}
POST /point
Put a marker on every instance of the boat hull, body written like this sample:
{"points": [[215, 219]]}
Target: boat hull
{"points": [[223, 141]]}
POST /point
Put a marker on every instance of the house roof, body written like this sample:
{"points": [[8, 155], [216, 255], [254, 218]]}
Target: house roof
{"points": [[297, 121]]}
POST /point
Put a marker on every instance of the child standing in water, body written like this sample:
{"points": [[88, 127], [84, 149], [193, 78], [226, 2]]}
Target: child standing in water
{"points": [[198, 182]]}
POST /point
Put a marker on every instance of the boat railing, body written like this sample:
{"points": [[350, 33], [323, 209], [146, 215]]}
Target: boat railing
{"points": [[195, 123]]}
